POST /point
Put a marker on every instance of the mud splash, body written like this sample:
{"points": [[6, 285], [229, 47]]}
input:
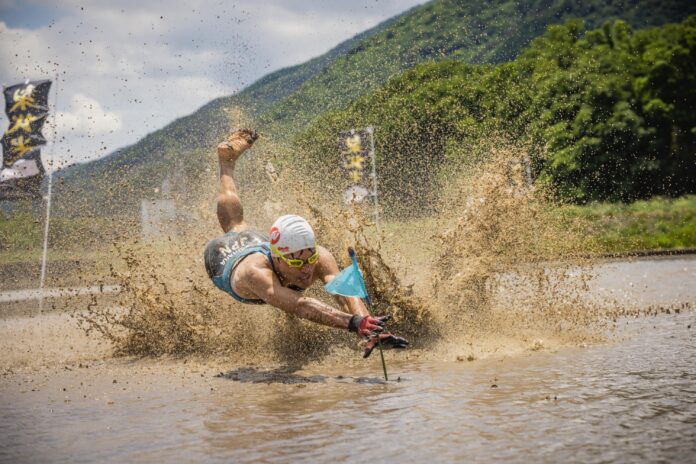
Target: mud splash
{"points": [[501, 263], [510, 265]]}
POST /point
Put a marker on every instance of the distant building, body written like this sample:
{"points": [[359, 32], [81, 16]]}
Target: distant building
{"points": [[161, 217], [157, 217]]}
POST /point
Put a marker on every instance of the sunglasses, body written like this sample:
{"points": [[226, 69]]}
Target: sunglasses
{"points": [[296, 262]]}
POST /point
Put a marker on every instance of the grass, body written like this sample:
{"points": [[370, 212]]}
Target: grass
{"points": [[655, 224], [21, 237]]}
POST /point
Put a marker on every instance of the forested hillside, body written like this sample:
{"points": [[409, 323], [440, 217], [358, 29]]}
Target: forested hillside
{"points": [[468, 31], [608, 114]]}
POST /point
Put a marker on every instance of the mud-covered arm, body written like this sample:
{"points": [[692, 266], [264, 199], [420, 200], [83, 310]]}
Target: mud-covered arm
{"points": [[266, 286], [327, 269]]}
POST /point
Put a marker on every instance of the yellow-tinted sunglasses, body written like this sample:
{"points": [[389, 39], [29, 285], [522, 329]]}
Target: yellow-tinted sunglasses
{"points": [[296, 262]]}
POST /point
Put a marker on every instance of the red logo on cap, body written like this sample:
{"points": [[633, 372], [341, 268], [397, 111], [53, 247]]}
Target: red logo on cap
{"points": [[275, 235]]}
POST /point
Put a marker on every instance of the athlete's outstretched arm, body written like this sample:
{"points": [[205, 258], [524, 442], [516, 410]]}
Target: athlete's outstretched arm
{"points": [[327, 270], [266, 286]]}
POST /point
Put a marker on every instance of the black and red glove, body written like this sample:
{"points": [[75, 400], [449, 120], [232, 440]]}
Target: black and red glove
{"points": [[389, 341], [366, 326]]}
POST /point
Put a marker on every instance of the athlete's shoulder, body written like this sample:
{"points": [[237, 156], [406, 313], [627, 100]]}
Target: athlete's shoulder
{"points": [[323, 251], [255, 265], [255, 260], [326, 265], [325, 256]]}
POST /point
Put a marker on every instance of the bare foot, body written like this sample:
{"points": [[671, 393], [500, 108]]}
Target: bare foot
{"points": [[236, 144]]}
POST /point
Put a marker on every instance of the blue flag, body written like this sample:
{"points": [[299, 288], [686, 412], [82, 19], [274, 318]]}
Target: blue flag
{"points": [[349, 282]]}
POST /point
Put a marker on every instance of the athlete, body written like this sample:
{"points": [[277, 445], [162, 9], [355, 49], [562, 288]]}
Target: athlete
{"points": [[276, 268]]}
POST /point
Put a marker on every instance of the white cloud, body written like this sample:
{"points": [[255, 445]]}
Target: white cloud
{"points": [[83, 124], [130, 67], [86, 117]]}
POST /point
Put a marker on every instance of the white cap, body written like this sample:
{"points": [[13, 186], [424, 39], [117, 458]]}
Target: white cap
{"points": [[291, 233]]}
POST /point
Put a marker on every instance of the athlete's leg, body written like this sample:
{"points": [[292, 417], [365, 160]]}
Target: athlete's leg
{"points": [[229, 206]]}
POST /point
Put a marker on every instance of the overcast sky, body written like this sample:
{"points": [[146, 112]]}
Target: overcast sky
{"points": [[129, 67]]}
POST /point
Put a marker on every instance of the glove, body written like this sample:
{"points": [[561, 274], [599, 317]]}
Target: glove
{"points": [[388, 340], [366, 326]]}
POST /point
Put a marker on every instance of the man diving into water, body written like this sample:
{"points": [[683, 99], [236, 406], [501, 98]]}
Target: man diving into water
{"points": [[257, 268]]}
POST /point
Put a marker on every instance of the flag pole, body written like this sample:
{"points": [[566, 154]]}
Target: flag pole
{"points": [[353, 257], [48, 200], [350, 283], [381, 351], [371, 131]]}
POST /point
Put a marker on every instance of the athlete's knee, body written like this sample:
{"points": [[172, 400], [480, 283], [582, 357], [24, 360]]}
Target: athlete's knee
{"points": [[229, 200]]}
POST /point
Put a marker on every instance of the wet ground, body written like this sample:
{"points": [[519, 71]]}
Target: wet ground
{"points": [[631, 399]]}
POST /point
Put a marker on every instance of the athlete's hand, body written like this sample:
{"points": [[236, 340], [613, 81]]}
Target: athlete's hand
{"points": [[237, 143], [388, 340], [366, 326]]}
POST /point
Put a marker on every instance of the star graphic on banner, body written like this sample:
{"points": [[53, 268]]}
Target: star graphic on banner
{"points": [[355, 176], [19, 147], [354, 143], [22, 123], [355, 162], [23, 99]]}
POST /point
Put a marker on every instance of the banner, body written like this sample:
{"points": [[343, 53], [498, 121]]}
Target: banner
{"points": [[26, 106], [22, 180], [356, 159]]}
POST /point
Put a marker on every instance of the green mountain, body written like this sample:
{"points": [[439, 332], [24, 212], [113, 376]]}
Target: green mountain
{"points": [[605, 114], [472, 32], [288, 101]]}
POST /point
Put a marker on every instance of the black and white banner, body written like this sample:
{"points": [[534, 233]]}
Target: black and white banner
{"points": [[356, 161], [23, 178], [26, 106]]}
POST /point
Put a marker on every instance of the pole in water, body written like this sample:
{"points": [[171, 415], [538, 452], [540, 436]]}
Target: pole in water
{"points": [[381, 355], [368, 303], [381, 352]]}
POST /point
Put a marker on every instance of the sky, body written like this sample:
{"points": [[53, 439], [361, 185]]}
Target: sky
{"points": [[123, 69]]}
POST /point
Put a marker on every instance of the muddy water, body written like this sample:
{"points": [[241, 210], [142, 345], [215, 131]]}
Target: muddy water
{"points": [[632, 398]]}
